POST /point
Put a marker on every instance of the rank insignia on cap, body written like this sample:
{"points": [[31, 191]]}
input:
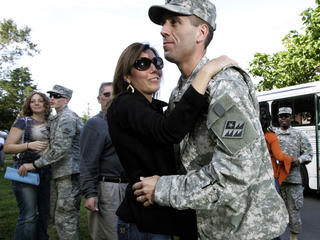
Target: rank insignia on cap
{"points": [[233, 129]]}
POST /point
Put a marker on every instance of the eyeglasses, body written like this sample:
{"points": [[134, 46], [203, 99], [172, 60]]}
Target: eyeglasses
{"points": [[56, 95], [106, 94], [143, 63], [284, 115]]}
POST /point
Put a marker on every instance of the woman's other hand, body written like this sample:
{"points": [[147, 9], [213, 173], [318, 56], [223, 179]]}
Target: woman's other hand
{"points": [[37, 146], [23, 170]]}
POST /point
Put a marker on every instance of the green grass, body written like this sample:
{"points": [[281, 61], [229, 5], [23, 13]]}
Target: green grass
{"points": [[9, 211]]}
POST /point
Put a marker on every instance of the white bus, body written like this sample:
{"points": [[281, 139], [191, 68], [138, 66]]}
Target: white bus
{"points": [[304, 99]]}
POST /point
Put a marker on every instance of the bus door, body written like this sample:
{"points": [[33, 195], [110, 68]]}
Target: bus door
{"points": [[317, 109], [305, 117]]}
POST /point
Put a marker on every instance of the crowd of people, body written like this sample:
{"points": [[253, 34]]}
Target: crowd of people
{"points": [[209, 167]]}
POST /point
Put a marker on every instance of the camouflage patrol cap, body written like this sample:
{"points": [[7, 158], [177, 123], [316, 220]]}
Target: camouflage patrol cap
{"points": [[203, 9], [285, 110], [61, 90]]}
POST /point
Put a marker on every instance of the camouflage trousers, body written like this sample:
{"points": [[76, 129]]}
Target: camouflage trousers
{"points": [[65, 206], [292, 195]]}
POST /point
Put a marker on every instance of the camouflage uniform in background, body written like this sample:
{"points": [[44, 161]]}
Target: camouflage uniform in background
{"points": [[230, 178], [294, 142], [63, 156]]}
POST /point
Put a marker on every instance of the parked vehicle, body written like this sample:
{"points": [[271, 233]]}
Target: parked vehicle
{"points": [[304, 99]]}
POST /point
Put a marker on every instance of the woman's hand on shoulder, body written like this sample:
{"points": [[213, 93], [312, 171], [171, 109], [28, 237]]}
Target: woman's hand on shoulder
{"points": [[205, 74], [217, 64]]}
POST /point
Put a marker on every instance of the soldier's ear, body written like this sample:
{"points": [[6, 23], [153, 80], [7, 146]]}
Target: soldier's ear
{"points": [[203, 31]]}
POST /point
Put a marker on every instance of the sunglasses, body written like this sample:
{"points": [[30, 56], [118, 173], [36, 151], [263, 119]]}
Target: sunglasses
{"points": [[285, 115], [106, 94], [143, 63], [56, 95]]}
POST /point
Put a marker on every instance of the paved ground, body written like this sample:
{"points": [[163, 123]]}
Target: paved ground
{"points": [[310, 215]]}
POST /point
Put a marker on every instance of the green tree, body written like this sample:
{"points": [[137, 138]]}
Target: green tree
{"points": [[86, 115], [14, 92], [14, 43], [299, 63], [84, 118], [15, 81]]}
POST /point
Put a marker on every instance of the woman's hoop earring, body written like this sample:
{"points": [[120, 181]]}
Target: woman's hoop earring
{"points": [[130, 88]]}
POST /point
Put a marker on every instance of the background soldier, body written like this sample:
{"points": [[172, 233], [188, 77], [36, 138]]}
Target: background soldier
{"points": [[293, 142], [101, 174], [230, 179], [63, 156]]}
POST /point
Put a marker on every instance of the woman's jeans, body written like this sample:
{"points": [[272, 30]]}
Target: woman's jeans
{"points": [[276, 183], [129, 231], [34, 205]]}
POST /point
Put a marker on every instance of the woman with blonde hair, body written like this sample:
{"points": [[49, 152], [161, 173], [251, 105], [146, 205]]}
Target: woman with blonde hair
{"points": [[28, 137]]}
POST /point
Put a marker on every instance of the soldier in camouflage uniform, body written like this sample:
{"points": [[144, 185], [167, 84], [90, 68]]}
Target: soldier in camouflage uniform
{"points": [[64, 157], [294, 143], [229, 179]]}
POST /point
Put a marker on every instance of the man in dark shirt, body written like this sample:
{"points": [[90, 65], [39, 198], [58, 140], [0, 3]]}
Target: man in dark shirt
{"points": [[101, 174]]}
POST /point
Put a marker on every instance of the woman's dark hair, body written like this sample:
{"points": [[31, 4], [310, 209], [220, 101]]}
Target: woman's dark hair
{"points": [[265, 118], [26, 109], [125, 64]]}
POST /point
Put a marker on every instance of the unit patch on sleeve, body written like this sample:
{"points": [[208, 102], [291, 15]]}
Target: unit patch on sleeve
{"points": [[230, 125], [233, 129]]}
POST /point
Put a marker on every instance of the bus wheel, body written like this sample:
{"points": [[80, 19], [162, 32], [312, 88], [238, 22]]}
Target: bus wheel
{"points": [[305, 178]]}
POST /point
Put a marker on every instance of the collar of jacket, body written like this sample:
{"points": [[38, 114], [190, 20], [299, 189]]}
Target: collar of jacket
{"points": [[189, 80], [59, 113], [285, 132], [155, 103]]}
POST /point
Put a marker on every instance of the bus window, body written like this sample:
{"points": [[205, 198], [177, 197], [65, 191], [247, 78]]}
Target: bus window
{"points": [[302, 118], [302, 110]]}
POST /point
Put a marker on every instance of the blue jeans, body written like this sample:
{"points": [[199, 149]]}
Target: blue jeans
{"points": [[34, 205], [276, 183], [129, 231]]}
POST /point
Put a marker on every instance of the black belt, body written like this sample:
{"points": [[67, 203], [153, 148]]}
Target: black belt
{"points": [[113, 179]]}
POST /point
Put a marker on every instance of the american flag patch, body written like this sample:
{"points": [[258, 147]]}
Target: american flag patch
{"points": [[233, 129]]}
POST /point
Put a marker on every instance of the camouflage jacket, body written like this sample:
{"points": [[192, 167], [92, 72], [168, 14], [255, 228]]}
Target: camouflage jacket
{"points": [[230, 178], [294, 142], [63, 153]]}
